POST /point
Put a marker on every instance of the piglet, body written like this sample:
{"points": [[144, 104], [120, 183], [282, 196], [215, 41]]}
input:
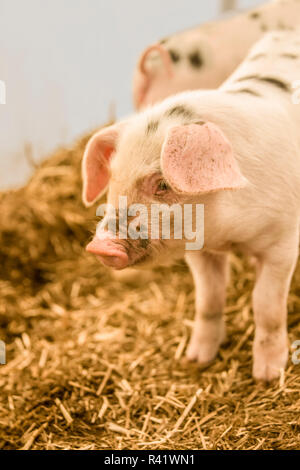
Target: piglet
{"points": [[203, 57], [234, 151]]}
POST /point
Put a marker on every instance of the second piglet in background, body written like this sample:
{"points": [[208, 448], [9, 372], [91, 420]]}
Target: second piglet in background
{"points": [[203, 57]]}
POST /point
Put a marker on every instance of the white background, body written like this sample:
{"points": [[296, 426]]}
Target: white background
{"points": [[65, 62]]}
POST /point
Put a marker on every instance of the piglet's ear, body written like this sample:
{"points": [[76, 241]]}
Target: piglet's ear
{"points": [[198, 159], [95, 163], [145, 72]]}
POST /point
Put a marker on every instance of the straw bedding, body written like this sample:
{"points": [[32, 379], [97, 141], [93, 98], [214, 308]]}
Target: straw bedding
{"points": [[95, 362]]}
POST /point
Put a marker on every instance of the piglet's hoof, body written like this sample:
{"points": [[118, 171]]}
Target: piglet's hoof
{"points": [[203, 354], [269, 361]]}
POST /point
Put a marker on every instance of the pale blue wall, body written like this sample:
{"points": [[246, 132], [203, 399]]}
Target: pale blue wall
{"points": [[65, 61]]}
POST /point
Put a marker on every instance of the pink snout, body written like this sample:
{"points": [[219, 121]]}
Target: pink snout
{"points": [[109, 252]]}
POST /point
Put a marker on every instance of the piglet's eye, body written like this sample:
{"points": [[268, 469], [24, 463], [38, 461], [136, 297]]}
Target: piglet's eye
{"points": [[162, 186]]}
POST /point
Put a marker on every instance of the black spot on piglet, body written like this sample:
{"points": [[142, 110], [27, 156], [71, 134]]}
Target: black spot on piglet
{"points": [[152, 127], [163, 41], [195, 59], [254, 15], [180, 110], [175, 57]]}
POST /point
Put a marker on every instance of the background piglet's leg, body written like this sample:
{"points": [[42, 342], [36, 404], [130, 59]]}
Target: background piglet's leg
{"points": [[210, 276], [274, 273]]}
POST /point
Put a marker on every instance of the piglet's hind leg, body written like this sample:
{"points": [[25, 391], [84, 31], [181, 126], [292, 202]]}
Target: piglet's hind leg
{"points": [[274, 272]]}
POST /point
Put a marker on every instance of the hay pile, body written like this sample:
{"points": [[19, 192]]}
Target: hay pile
{"points": [[95, 363]]}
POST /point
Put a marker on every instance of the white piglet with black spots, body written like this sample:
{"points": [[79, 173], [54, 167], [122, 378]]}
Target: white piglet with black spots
{"points": [[203, 57], [236, 150]]}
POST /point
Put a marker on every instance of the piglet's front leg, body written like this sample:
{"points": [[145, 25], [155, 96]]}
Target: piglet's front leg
{"points": [[274, 272], [209, 273]]}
